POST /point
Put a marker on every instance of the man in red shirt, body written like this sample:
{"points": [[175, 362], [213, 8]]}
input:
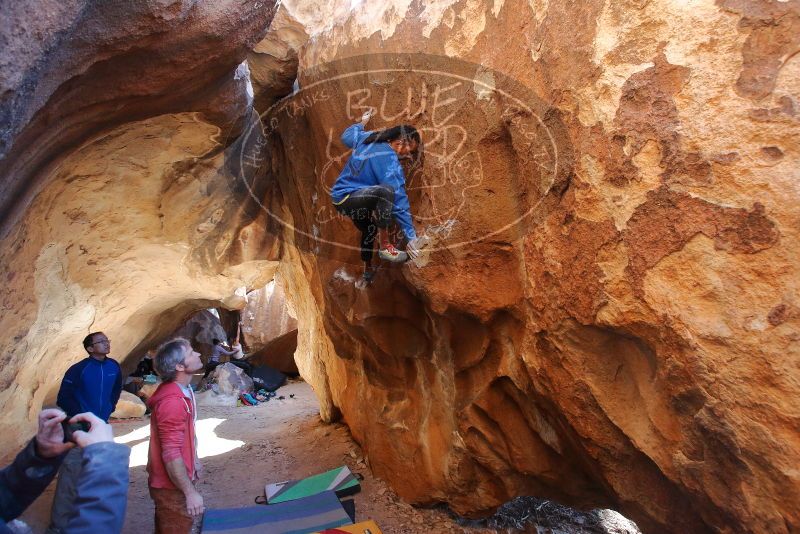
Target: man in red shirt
{"points": [[172, 462]]}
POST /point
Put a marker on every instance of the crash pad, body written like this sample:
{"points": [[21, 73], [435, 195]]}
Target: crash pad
{"points": [[364, 527], [340, 480], [300, 516], [271, 378]]}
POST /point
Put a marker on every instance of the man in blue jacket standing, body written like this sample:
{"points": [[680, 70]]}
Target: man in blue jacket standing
{"points": [[91, 385]]}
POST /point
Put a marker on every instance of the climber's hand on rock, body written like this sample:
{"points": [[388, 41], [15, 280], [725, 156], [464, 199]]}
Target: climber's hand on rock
{"points": [[366, 117], [412, 250]]}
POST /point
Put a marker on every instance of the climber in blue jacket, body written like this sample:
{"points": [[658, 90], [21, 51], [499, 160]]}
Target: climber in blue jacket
{"points": [[371, 189]]}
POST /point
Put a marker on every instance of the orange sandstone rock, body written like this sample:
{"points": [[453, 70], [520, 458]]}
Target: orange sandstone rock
{"points": [[618, 329]]}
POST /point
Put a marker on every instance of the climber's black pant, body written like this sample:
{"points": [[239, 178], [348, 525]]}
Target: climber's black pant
{"points": [[370, 208]]}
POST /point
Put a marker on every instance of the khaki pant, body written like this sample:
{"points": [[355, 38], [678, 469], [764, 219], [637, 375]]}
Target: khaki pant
{"points": [[171, 516], [66, 491]]}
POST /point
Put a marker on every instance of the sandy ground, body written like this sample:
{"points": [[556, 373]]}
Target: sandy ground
{"points": [[246, 447]]}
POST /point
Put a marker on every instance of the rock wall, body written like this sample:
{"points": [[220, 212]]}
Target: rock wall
{"points": [[609, 313], [273, 62], [269, 332], [121, 210], [201, 329], [73, 69]]}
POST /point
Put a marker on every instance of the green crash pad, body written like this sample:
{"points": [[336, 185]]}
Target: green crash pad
{"points": [[339, 480]]}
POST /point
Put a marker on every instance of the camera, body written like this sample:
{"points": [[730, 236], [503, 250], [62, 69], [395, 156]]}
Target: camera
{"points": [[69, 428]]}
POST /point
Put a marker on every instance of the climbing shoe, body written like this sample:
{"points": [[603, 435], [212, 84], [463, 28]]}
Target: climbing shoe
{"points": [[366, 279], [369, 275], [389, 253], [251, 399], [244, 401]]}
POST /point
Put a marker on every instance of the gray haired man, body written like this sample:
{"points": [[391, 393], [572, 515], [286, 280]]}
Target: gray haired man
{"points": [[172, 463]]}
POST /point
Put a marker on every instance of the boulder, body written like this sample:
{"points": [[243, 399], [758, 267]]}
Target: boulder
{"points": [[200, 329], [608, 314], [231, 379], [129, 406], [211, 398]]}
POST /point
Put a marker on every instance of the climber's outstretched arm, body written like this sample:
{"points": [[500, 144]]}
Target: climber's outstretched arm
{"points": [[354, 135]]}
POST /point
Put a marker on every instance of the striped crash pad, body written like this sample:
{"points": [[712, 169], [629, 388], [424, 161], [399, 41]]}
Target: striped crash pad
{"points": [[340, 480], [365, 527], [300, 516]]}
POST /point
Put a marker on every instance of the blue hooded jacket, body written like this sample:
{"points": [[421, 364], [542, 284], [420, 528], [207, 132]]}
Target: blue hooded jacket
{"points": [[373, 164], [91, 386]]}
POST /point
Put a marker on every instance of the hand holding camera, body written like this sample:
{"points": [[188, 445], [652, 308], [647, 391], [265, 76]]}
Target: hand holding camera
{"points": [[70, 428], [50, 436], [91, 430], [57, 435]]}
